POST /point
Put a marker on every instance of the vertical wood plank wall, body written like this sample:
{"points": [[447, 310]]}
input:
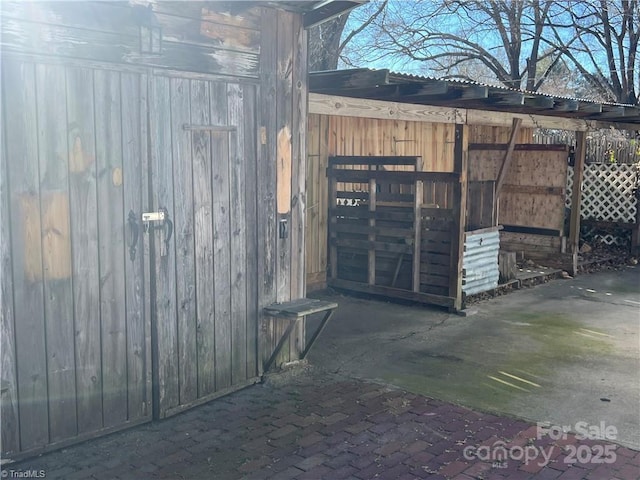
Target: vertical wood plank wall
{"points": [[96, 136], [533, 194], [205, 318], [336, 135], [493, 134], [73, 165]]}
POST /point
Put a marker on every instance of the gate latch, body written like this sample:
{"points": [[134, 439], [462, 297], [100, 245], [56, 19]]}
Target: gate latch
{"points": [[149, 217], [159, 221]]}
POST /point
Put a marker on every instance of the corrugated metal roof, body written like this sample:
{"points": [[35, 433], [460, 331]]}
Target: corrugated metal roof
{"points": [[384, 84]]}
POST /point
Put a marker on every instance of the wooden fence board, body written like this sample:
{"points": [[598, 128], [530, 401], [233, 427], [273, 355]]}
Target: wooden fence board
{"points": [[134, 153], [481, 204], [220, 150], [238, 235], [401, 233], [435, 246], [108, 115], [372, 244], [324, 199], [184, 234], [298, 175], [284, 156], [430, 279], [85, 241], [266, 178], [370, 160], [165, 324], [433, 258], [314, 186], [201, 151], [9, 414], [431, 267], [395, 176], [252, 221], [54, 200], [459, 206]]}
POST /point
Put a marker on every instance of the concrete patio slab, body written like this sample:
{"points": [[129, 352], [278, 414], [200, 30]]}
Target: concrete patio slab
{"points": [[564, 352]]}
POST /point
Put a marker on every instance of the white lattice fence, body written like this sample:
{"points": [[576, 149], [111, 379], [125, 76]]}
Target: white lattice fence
{"points": [[607, 194]]}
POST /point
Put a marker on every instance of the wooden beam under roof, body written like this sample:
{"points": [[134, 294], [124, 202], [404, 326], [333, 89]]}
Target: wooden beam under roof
{"points": [[348, 79], [617, 113], [589, 107], [539, 102], [493, 101], [506, 98], [629, 112], [361, 107], [474, 92], [408, 93], [565, 105], [610, 111], [427, 89]]}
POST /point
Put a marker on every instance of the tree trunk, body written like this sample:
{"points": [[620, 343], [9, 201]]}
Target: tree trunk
{"points": [[324, 44]]}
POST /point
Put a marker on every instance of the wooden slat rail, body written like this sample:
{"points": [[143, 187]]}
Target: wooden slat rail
{"points": [[294, 311], [408, 178], [372, 161]]}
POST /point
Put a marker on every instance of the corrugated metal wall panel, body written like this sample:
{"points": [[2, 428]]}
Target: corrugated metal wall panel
{"points": [[480, 261]]}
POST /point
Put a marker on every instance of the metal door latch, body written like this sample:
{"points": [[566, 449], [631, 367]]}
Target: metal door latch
{"points": [[164, 224], [149, 217]]}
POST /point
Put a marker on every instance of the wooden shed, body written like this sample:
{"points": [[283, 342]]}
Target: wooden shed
{"points": [[407, 175], [153, 203]]}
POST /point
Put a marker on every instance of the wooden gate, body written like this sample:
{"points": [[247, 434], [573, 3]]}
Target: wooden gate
{"points": [[203, 164], [89, 343], [394, 233], [75, 334]]}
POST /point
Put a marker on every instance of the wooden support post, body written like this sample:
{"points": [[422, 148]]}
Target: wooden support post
{"points": [[576, 197], [635, 233], [333, 249], [417, 224], [508, 156], [417, 237], [372, 236], [460, 151]]}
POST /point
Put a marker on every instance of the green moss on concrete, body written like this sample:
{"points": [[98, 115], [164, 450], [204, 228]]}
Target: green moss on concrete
{"points": [[536, 345]]}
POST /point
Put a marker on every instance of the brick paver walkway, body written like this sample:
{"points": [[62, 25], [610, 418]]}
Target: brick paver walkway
{"points": [[315, 426]]}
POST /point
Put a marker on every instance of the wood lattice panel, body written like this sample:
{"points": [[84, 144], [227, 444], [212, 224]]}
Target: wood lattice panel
{"points": [[607, 192]]}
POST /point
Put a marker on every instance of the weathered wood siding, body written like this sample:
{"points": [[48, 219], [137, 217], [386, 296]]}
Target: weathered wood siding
{"points": [[335, 135], [202, 158], [282, 132], [492, 134], [196, 36], [74, 166], [339, 135], [532, 197], [209, 127]]}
